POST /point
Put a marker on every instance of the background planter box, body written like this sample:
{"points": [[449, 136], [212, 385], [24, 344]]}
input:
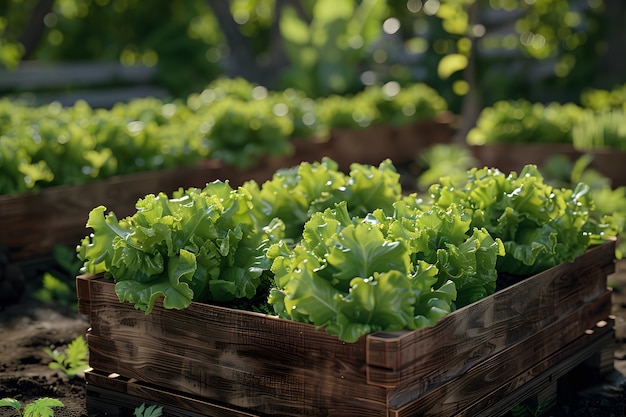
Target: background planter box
{"points": [[480, 360], [513, 156], [33, 223], [378, 142]]}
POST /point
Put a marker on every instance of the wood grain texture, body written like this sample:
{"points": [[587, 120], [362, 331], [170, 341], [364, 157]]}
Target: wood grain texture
{"points": [[541, 375], [271, 366], [470, 334], [232, 356], [491, 375]]}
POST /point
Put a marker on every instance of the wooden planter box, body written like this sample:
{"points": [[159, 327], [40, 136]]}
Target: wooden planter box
{"points": [[513, 157], [378, 142], [482, 359], [32, 224]]}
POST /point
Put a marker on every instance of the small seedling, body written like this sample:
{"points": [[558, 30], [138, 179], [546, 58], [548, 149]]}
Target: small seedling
{"points": [[151, 411], [532, 409], [73, 360], [41, 407]]}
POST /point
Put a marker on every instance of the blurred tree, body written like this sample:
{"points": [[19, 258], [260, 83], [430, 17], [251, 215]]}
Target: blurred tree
{"points": [[479, 51], [473, 52]]}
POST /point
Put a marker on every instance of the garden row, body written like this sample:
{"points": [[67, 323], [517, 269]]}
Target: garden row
{"points": [[78, 158], [231, 121], [513, 133], [240, 125]]}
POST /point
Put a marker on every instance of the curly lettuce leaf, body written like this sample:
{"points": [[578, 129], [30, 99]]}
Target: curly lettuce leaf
{"points": [[540, 226], [296, 194], [198, 245], [353, 276]]}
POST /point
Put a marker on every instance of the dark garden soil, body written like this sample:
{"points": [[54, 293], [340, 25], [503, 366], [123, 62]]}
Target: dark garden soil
{"points": [[27, 327]]}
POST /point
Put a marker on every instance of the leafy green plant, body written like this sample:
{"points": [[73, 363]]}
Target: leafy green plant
{"points": [[532, 409], [600, 99], [50, 145], [241, 132], [344, 111], [604, 129], [353, 276], [399, 105], [350, 253], [73, 360], [541, 226], [294, 195], [149, 411], [41, 407], [521, 121], [609, 202], [201, 245], [59, 282], [443, 160], [209, 244]]}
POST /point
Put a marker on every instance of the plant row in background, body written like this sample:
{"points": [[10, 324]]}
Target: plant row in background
{"points": [[599, 122], [350, 253], [232, 121]]}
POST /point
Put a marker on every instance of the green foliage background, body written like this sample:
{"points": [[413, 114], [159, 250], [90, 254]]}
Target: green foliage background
{"points": [[501, 49]]}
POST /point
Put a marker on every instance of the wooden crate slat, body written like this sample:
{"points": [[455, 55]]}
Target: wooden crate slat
{"points": [[243, 382], [122, 403], [486, 377], [496, 324], [209, 330], [82, 294], [541, 375]]}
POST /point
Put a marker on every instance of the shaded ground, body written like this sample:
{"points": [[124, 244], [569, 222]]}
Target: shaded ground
{"points": [[28, 327]]}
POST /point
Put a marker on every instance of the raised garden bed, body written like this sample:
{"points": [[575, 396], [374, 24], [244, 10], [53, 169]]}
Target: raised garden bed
{"points": [[482, 359], [514, 156], [33, 223]]}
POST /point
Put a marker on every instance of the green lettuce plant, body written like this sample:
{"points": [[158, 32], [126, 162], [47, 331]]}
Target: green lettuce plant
{"points": [[349, 253], [541, 226], [199, 245], [353, 276]]}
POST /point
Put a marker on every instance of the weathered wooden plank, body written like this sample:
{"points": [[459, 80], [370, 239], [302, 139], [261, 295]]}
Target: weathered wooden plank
{"points": [[131, 394], [541, 375], [82, 294], [238, 357], [491, 374]]}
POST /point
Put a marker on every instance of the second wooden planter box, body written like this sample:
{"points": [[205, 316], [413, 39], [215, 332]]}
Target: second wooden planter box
{"points": [[514, 156], [482, 359]]}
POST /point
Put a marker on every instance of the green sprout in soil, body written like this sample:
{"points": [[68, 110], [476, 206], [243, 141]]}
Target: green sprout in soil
{"points": [[73, 360], [58, 283], [41, 407], [532, 408], [150, 411]]}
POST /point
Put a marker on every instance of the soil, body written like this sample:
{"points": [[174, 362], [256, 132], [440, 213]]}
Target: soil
{"points": [[28, 327]]}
